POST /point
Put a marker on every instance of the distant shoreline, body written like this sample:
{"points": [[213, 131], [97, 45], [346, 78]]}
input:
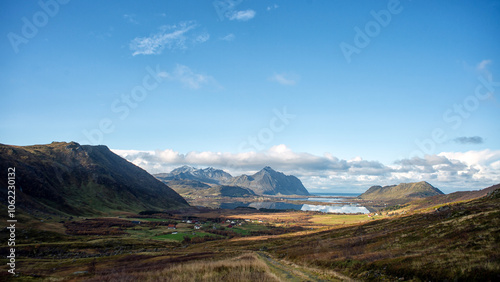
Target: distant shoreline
{"points": [[327, 195], [320, 195]]}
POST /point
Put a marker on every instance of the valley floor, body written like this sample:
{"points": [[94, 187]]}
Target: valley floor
{"points": [[452, 242]]}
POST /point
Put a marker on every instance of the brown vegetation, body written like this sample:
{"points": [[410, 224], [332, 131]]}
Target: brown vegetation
{"points": [[98, 226], [195, 267], [457, 242]]}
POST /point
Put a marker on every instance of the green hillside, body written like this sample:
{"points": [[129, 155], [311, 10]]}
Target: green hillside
{"points": [[403, 191]]}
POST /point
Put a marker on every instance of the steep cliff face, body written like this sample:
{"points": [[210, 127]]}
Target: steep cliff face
{"points": [[206, 175], [265, 182], [270, 182], [83, 180]]}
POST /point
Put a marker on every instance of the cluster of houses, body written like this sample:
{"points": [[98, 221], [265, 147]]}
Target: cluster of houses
{"points": [[199, 225], [232, 223]]}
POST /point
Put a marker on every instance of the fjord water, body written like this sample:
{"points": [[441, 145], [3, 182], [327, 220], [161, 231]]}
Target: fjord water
{"points": [[335, 208], [340, 204], [334, 198]]}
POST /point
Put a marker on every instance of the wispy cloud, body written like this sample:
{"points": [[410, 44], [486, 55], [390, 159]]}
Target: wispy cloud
{"points": [[466, 171], [285, 79], [469, 140], [229, 37], [188, 77], [242, 15], [202, 38], [170, 37]]}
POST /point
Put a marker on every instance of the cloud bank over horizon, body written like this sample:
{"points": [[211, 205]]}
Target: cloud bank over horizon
{"points": [[449, 171]]}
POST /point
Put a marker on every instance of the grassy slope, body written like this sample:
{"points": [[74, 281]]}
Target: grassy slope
{"points": [[459, 243], [403, 191], [69, 179], [455, 197]]}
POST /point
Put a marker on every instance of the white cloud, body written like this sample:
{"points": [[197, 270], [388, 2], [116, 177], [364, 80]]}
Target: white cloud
{"points": [[202, 38], [242, 15], [471, 158], [188, 77], [170, 37], [454, 170], [229, 37], [449, 171], [284, 79]]}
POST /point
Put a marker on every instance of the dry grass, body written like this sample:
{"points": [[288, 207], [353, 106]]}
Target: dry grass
{"points": [[246, 267], [460, 243], [339, 219], [280, 218]]}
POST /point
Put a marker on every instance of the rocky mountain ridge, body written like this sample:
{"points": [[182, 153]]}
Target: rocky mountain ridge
{"points": [[206, 175], [270, 182], [265, 182]]}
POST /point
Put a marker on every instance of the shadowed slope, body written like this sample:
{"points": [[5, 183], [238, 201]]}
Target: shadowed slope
{"points": [[82, 180]]}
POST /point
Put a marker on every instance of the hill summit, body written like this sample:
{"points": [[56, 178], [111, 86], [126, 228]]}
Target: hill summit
{"points": [[403, 191], [82, 180], [270, 182]]}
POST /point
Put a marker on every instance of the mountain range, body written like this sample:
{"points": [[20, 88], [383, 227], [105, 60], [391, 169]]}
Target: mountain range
{"points": [[72, 179], [206, 175], [265, 182]]}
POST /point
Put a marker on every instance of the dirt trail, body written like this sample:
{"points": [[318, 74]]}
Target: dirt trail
{"points": [[292, 272]]}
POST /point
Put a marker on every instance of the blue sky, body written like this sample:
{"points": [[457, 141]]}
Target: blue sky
{"points": [[343, 94]]}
